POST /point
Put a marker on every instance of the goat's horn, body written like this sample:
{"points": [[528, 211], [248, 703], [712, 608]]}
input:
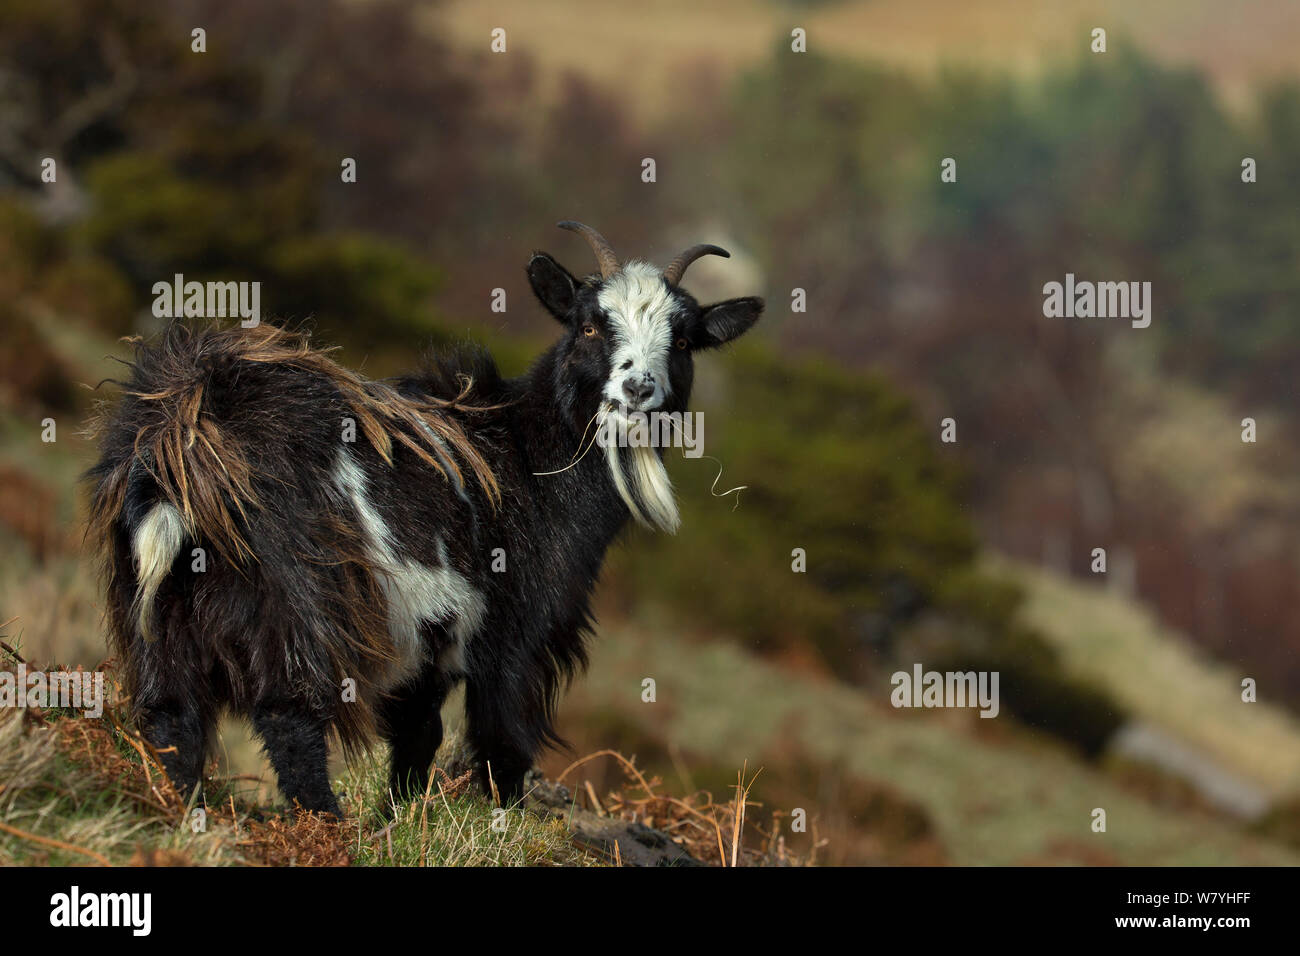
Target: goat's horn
{"points": [[676, 268], [604, 254]]}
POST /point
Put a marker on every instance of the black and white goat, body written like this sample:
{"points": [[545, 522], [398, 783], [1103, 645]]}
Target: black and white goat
{"points": [[347, 585]]}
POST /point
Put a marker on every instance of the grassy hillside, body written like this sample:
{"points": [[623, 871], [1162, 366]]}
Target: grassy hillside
{"points": [[1160, 677], [878, 785], [993, 793], [73, 792]]}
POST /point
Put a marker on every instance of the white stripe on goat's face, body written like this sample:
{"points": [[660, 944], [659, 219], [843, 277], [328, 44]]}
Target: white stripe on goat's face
{"points": [[640, 309]]}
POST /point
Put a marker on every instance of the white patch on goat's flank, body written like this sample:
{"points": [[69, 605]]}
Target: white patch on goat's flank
{"points": [[640, 309], [416, 593], [157, 541]]}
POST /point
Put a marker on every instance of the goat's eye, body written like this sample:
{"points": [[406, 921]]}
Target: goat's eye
{"points": [[682, 343], [588, 330]]}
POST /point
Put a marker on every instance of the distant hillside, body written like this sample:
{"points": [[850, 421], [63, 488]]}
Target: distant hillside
{"points": [[1238, 48], [1161, 678]]}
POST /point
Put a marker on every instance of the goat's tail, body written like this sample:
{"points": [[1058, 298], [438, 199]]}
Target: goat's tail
{"points": [[168, 473], [156, 543]]}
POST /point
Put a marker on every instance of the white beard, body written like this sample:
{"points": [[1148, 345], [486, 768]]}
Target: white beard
{"points": [[644, 486]]}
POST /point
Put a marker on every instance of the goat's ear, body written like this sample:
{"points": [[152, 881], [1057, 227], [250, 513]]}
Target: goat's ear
{"points": [[723, 321], [552, 284]]}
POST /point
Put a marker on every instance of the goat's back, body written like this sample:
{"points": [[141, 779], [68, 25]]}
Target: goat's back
{"points": [[239, 513]]}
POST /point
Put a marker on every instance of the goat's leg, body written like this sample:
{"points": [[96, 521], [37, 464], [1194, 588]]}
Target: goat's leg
{"points": [[507, 728], [178, 730], [412, 720], [294, 739]]}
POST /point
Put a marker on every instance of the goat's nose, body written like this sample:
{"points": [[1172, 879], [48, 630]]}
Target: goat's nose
{"points": [[638, 388]]}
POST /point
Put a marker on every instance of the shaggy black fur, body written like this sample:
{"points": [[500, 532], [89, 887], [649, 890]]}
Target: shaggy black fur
{"points": [[276, 632]]}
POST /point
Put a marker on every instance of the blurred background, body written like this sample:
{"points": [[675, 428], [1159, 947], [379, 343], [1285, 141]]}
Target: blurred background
{"points": [[819, 171]]}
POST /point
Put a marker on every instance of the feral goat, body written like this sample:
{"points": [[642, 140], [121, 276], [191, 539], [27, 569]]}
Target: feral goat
{"points": [[322, 553]]}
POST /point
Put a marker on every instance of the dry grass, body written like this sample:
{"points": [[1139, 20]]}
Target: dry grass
{"points": [[77, 790], [57, 806], [709, 831], [450, 824]]}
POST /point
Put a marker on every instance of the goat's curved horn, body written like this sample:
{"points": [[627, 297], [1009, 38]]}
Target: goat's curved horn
{"points": [[604, 254], [676, 268]]}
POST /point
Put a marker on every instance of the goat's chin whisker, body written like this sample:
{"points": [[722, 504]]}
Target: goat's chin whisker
{"points": [[581, 453], [713, 488]]}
